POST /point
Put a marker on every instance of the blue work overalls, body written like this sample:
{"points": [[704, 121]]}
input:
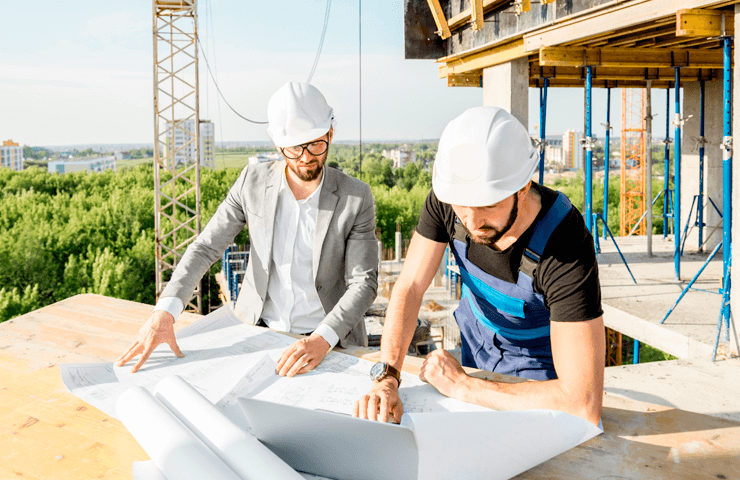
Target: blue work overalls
{"points": [[505, 327]]}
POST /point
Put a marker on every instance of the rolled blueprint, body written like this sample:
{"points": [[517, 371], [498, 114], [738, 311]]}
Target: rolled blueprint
{"points": [[242, 452], [495, 445], [178, 453]]}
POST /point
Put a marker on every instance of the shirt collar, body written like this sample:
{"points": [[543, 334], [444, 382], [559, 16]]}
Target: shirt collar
{"points": [[314, 194]]}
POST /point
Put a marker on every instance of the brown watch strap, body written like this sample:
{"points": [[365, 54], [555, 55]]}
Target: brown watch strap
{"points": [[393, 372]]}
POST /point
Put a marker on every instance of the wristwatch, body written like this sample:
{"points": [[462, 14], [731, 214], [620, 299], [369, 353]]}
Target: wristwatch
{"points": [[381, 370]]}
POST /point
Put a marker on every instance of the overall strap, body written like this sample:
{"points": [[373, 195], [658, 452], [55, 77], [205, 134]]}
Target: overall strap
{"points": [[542, 231]]}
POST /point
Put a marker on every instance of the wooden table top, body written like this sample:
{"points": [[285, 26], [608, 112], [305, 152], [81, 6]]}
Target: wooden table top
{"points": [[45, 432]]}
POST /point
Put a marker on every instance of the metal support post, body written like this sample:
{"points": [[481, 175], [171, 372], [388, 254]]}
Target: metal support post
{"points": [[677, 178], [636, 352], [702, 141], [605, 208], [587, 200], [691, 283], [543, 116], [727, 181], [596, 218], [649, 172], [667, 212]]}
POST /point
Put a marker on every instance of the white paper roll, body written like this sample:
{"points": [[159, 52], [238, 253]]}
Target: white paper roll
{"points": [[178, 453], [495, 445], [246, 455]]}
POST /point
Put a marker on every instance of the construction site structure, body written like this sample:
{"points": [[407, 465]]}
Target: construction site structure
{"points": [[633, 162], [176, 99], [680, 46]]}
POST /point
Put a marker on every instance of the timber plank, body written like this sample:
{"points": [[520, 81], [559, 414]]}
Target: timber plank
{"points": [[41, 422]]}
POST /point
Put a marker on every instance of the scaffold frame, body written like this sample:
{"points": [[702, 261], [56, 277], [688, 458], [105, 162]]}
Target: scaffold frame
{"points": [[176, 172]]}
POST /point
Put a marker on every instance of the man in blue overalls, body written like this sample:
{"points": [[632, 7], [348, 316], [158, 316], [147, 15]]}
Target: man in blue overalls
{"points": [[531, 300]]}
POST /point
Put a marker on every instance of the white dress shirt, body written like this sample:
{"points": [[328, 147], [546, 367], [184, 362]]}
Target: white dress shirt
{"points": [[292, 303]]}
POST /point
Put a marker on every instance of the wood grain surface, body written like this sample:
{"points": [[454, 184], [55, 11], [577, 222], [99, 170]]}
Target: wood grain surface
{"points": [[47, 433]]}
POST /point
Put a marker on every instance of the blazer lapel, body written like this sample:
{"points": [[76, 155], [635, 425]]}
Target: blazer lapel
{"points": [[327, 202], [269, 207]]}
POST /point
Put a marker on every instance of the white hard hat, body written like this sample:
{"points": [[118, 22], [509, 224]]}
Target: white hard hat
{"points": [[298, 113], [484, 156]]}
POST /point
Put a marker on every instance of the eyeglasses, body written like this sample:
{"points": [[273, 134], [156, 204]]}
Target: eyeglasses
{"points": [[317, 147]]}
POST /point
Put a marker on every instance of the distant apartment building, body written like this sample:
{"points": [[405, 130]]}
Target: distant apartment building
{"points": [[98, 164], [11, 155], [264, 157], [184, 142], [400, 157], [572, 150]]}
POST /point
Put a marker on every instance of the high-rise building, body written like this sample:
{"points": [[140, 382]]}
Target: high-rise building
{"points": [[572, 151], [11, 155], [184, 143]]}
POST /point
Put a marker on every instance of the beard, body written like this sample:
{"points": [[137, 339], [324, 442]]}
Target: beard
{"points": [[308, 171], [494, 234]]}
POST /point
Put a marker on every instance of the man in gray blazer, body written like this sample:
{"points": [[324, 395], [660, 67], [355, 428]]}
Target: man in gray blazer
{"points": [[313, 258]]}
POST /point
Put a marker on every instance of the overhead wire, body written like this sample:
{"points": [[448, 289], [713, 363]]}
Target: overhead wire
{"points": [[321, 42], [218, 100], [219, 90]]}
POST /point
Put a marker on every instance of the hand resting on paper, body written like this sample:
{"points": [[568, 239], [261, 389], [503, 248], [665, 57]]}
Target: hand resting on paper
{"points": [[382, 403], [303, 356], [442, 371], [159, 328]]}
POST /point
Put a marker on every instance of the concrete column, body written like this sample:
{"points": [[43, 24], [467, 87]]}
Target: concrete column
{"points": [[399, 246], [507, 86], [735, 272], [713, 118]]}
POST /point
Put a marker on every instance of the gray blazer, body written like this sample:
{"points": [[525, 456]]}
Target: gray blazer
{"points": [[345, 255]]}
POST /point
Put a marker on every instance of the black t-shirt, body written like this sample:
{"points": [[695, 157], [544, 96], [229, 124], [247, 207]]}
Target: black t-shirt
{"points": [[567, 274]]}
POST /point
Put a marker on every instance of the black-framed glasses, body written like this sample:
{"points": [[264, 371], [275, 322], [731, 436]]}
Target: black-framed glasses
{"points": [[317, 147]]}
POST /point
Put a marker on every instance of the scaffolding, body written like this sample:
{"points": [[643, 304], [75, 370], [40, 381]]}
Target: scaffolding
{"points": [[176, 170], [633, 161]]}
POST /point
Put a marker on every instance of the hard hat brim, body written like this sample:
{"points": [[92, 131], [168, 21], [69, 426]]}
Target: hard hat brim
{"points": [[306, 136]]}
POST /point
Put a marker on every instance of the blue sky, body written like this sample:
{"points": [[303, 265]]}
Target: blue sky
{"points": [[81, 72]]}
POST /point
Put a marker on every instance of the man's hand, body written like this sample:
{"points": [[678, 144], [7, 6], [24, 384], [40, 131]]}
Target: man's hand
{"points": [[442, 371], [303, 356], [159, 328], [382, 403]]}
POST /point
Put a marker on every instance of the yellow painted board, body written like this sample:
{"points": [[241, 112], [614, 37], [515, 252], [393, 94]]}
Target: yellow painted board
{"points": [[464, 80], [697, 22], [439, 18], [624, 57], [484, 59]]}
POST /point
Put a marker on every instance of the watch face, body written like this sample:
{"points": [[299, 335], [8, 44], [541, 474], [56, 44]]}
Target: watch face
{"points": [[378, 370]]}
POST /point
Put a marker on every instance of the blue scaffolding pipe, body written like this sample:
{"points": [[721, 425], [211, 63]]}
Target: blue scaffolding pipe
{"points": [[691, 283], [596, 218], [543, 116], [727, 181], [605, 208], [677, 178], [667, 212], [636, 352], [700, 206], [588, 201]]}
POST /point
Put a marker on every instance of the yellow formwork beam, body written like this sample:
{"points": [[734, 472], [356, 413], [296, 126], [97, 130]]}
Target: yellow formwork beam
{"points": [[465, 80], [697, 22], [523, 6], [465, 16], [624, 57], [487, 58], [443, 28], [476, 17]]}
